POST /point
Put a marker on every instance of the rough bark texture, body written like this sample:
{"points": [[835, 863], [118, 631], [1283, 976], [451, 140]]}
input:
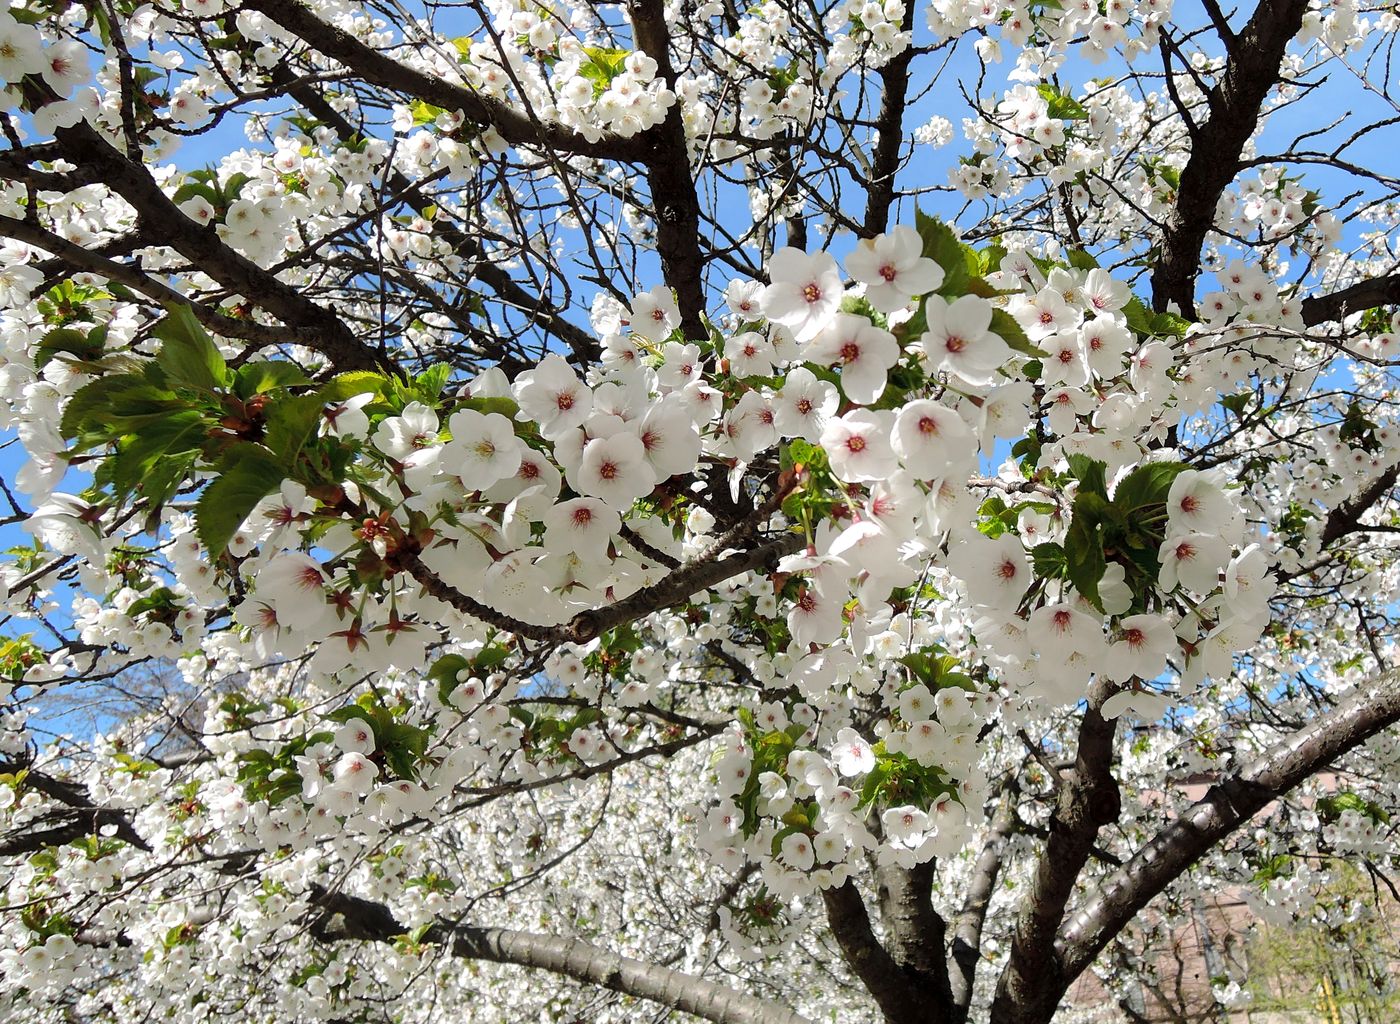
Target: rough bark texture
{"points": [[674, 201], [1032, 983], [1235, 101], [1223, 809], [1363, 295], [350, 917], [884, 160], [915, 933], [902, 993], [967, 926]]}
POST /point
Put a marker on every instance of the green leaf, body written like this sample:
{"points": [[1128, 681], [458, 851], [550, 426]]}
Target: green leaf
{"points": [[1049, 560], [189, 190], [1238, 402], [144, 460], [1139, 317], [1060, 106], [86, 410], [292, 421], [264, 375], [604, 64], [403, 746], [348, 385], [1169, 323], [1090, 473], [444, 672], [432, 380], [1081, 260], [70, 341], [877, 778], [1084, 557], [364, 714], [1147, 485], [1005, 325], [187, 354], [233, 188], [942, 246], [157, 600], [505, 406], [248, 473]]}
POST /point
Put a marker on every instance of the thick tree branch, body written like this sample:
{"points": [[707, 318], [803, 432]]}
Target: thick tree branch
{"points": [[515, 126], [674, 201], [681, 584], [967, 927], [350, 917], [915, 933], [84, 818], [1223, 809], [1031, 984], [80, 259], [1378, 291], [688, 580], [321, 328], [900, 993], [1345, 519], [889, 124], [1250, 72]]}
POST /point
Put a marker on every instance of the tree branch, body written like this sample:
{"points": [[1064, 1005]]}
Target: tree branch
{"points": [[889, 124], [674, 201], [1250, 72], [1223, 809], [1378, 291], [1031, 983], [84, 817], [899, 993], [375, 67], [915, 932], [582, 343], [79, 259], [323, 330], [351, 917], [967, 927]]}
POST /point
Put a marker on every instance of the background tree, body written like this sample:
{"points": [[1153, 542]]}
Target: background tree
{"points": [[604, 512]]}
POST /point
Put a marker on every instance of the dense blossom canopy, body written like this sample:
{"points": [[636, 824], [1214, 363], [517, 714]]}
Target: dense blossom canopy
{"points": [[536, 511]]}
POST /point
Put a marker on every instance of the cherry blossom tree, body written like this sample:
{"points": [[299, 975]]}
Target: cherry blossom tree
{"points": [[643, 511]]}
